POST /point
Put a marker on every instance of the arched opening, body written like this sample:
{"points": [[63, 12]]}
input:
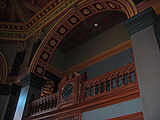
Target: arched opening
{"points": [[95, 16], [89, 31]]}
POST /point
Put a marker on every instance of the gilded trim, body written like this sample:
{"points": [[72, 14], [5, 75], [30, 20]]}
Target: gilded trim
{"points": [[53, 34], [48, 14], [39, 48]]}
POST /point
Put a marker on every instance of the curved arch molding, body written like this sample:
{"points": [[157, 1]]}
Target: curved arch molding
{"points": [[3, 69], [72, 17]]}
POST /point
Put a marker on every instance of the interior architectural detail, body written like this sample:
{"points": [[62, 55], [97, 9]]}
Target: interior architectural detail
{"points": [[62, 28], [79, 59], [3, 69]]}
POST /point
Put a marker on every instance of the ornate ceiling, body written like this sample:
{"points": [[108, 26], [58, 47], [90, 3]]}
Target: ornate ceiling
{"points": [[20, 10], [31, 16], [90, 28]]}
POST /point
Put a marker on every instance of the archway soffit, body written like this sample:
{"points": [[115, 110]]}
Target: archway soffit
{"points": [[69, 20]]}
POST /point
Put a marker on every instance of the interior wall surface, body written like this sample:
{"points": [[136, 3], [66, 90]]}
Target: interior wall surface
{"points": [[113, 111], [101, 43], [109, 64], [9, 51], [4, 99], [57, 60]]}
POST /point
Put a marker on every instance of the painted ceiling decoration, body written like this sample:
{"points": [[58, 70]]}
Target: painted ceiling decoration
{"points": [[87, 30], [22, 31], [20, 10], [73, 17], [49, 12]]}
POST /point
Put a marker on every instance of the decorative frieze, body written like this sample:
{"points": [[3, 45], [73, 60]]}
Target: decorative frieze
{"points": [[23, 46]]}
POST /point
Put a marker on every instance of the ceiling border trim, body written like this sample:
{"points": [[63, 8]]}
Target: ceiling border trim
{"points": [[62, 27]]}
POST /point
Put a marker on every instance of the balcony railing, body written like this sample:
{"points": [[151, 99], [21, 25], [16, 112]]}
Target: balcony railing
{"points": [[116, 81], [44, 104], [109, 82]]}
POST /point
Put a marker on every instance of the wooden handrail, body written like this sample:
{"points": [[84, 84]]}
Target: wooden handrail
{"points": [[43, 104], [100, 86], [110, 81]]}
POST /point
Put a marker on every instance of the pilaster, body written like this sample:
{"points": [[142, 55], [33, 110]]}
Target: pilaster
{"points": [[144, 32], [30, 89]]}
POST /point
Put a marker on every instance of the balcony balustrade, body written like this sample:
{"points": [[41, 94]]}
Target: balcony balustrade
{"points": [[112, 85], [44, 104], [110, 82]]}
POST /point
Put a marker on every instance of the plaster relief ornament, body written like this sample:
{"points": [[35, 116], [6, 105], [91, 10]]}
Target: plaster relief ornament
{"points": [[23, 46], [86, 11], [45, 56], [52, 43], [39, 70], [38, 35], [111, 5], [62, 30], [99, 6], [73, 20]]}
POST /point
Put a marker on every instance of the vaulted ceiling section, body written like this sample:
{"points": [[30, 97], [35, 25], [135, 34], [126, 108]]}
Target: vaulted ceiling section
{"points": [[20, 10], [90, 28]]}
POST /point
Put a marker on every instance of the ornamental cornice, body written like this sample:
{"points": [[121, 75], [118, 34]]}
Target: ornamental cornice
{"points": [[32, 80], [22, 31], [141, 21]]}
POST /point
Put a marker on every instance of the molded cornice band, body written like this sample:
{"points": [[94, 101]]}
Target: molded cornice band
{"points": [[32, 80], [140, 21]]}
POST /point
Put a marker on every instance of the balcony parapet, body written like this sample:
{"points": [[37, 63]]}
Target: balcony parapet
{"points": [[44, 104], [110, 88], [110, 82]]}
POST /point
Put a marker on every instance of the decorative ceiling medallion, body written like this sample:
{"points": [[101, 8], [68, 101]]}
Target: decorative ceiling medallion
{"points": [[86, 11], [44, 56], [111, 5], [98, 6], [62, 30], [52, 43], [39, 70], [73, 20]]}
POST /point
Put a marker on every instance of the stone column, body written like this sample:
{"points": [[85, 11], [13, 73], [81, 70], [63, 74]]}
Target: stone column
{"points": [[144, 37], [31, 88]]}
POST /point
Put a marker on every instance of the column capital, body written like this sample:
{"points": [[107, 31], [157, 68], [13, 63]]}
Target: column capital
{"points": [[140, 21], [33, 80]]}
